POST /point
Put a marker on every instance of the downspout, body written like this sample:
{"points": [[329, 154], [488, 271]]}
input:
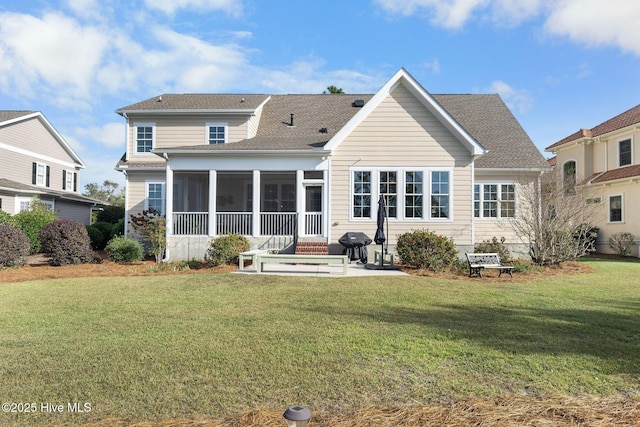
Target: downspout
{"points": [[169, 224], [126, 178]]}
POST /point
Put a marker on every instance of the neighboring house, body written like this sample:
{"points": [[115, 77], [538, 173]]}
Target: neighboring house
{"points": [[606, 160], [35, 161], [272, 167]]}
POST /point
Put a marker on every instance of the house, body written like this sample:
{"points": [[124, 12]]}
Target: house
{"points": [[292, 168], [606, 160], [35, 161]]}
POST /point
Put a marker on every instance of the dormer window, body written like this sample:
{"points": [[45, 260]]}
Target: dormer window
{"points": [[625, 153], [216, 133]]}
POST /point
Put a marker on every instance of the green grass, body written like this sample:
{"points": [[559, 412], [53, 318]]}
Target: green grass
{"points": [[203, 345]]}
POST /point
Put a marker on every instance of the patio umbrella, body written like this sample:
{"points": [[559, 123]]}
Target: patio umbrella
{"points": [[380, 238]]}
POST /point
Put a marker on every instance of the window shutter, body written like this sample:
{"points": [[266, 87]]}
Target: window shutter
{"points": [[48, 173], [64, 179], [75, 181], [34, 172]]}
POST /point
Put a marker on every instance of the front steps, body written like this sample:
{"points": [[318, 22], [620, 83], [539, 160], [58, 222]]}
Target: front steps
{"points": [[312, 248]]}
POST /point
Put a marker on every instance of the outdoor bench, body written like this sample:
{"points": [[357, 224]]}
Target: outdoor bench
{"points": [[480, 261], [300, 259], [250, 255]]}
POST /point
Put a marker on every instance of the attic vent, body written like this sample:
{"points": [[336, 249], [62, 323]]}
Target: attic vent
{"points": [[323, 130], [358, 103]]}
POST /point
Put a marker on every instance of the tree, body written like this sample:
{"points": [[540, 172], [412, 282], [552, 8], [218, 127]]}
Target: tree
{"points": [[558, 224], [333, 89], [109, 192]]}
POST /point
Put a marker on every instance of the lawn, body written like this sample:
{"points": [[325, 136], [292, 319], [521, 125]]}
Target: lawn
{"points": [[204, 346]]}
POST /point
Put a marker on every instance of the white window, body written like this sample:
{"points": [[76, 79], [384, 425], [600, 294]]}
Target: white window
{"points": [[68, 180], [216, 133], [616, 208], [155, 200], [625, 153], [144, 134], [410, 194], [24, 204], [494, 200], [40, 174]]}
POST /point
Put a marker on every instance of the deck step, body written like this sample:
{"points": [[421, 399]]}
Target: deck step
{"points": [[312, 248]]}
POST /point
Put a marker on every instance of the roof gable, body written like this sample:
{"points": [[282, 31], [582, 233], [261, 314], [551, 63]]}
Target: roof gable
{"points": [[402, 77], [13, 117]]}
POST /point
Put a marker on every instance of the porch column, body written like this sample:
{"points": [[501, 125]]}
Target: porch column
{"points": [[300, 202], [168, 200], [213, 191], [256, 204], [325, 205]]}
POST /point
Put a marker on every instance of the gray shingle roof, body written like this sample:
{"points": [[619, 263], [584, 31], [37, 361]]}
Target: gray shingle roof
{"points": [[25, 188], [13, 114], [485, 117], [197, 101], [491, 123]]}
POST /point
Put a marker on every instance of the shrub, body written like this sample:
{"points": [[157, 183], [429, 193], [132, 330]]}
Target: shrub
{"points": [[6, 218], [31, 222], [153, 228], [425, 249], [100, 234], [124, 249], [117, 229], [14, 246], [494, 246], [622, 243], [110, 214], [66, 242], [226, 249]]}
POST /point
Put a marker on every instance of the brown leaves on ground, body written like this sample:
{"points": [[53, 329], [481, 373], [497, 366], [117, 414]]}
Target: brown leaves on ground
{"points": [[502, 411]]}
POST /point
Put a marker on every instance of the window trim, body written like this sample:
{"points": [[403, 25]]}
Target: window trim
{"points": [[163, 197], [400, 187], [498, 184], [208, 127], [137, 125], [46, 173], [73, 184], [28, 199], [620, 141], [609, 221]]}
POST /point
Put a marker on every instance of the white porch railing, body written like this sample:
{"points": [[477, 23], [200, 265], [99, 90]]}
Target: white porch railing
{"points": [[313, 223], [234, 223], [190, 223], [278, 223]]}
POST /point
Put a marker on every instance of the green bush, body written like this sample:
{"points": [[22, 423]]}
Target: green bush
{"points": [[6, 218], [425, 249], [111, 214], [226, 249], [117, 229], [124, 249], [14, 246], [100, 234], [494, 246], [622, 243], [31, 222], [66, 242]]}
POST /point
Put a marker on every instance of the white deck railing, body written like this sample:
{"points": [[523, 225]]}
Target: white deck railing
{"points": [[313, 223], [190, 223], [278, 223], [234, 223]]}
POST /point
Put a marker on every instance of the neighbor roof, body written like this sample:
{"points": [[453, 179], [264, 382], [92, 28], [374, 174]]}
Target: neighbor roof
{"points": [[6, 115], [7, 184], [621, 121], [196, 102]]}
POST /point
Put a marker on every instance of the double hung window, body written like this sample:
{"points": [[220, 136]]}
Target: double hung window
{"points": [[615, 208], [624, 152], [216, 133], [144, 137], [155, 200], [494, 200]]}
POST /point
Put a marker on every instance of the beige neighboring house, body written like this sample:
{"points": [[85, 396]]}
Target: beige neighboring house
{"points": [[35, 161], [606, 159], [291, 168]]}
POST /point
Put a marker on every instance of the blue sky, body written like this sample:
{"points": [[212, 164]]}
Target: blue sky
{"points": [[559, 65]]}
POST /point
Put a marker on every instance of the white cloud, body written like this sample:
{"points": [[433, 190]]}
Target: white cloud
{"points": [[49, 54], [231, 7], [110, 135], [589, 22], [517, 99]]}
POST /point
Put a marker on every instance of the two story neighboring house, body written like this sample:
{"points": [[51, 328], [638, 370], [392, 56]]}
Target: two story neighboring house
{"points": [[312, 167], [606, 159], [35, 161]]}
